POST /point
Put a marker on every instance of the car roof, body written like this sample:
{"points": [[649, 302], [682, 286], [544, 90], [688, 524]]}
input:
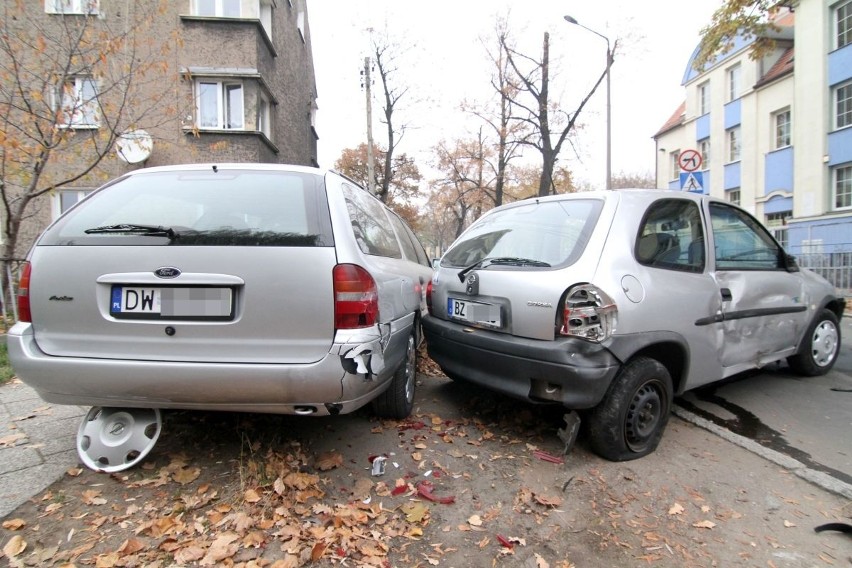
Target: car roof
{"points": [[230, 166]]}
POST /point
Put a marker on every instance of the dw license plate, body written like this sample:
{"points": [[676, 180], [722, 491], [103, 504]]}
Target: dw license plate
{"points": [[138, 302]]}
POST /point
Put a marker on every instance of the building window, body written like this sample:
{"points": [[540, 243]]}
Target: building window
{"points": [[65, 198], [734, 144], [777, 225], [704, 148], [734, 82], [843, 14], [843, 116], [79, 103], [300, 23], [703, 98], [71, 6], [219, 104], [843, 187], [675, 166], [781, 120], [266, 16], [734, 196], [264, 116], [216, 8]]}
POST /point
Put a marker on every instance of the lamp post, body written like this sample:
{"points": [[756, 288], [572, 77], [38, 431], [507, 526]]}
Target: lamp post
{"points": [[571, 20]]}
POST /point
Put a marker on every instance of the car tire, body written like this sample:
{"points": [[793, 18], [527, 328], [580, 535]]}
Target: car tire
{"points": [[820, 346], [629, 421], [398, 399]]}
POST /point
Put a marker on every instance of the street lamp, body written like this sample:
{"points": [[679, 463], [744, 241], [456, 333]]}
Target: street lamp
{"points": [[571, 20]]}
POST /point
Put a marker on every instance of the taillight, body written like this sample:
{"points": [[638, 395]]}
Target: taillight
{"points": [[356, 298], [429, 297], [588, 313], [24, 313]]}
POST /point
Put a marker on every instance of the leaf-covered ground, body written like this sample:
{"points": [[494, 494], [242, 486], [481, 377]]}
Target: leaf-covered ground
{"points": [[470, 479]]}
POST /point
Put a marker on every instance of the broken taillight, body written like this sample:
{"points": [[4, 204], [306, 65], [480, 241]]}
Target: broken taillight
{"points": [[589, 313], [356, 298], [24, 313], [429, 297]]}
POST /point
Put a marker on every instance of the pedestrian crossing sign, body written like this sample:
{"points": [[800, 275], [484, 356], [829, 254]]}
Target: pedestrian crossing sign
{"points": [[692, 181]]}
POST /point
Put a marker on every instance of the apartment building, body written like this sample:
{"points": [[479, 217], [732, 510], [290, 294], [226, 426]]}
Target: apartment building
{"points": [[774, 134], [179, 80]]}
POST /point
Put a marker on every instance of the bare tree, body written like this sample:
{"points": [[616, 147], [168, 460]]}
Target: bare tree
{"points": [[69, 86], [551, 125], [386, 56], [498, 117]]}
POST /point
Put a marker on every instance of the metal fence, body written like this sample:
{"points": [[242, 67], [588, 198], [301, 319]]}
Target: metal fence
{"points": [[836, 267]]}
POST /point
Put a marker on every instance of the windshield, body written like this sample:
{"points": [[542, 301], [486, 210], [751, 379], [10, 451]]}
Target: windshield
{"points": [[549, 232], [201, 208]]}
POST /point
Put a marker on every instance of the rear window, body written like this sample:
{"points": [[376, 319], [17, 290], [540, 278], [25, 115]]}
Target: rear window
{"points": [[552, 232], [201, 208]]}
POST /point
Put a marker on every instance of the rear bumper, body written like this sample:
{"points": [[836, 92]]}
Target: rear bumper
{"points": [[328, 386], [569, 371]]}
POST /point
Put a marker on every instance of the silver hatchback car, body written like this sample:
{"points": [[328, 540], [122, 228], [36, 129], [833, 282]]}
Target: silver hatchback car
{"points": [[258, 288], [613, 302]]}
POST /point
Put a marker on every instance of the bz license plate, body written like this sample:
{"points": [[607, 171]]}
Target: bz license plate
{"points": [[474, 312]]}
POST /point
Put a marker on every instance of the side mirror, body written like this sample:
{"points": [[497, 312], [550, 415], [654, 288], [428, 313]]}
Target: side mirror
{"points": [[790, 263], [436, 262]]}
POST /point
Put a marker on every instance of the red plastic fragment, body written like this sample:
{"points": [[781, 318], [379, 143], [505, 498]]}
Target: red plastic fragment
{"points": [[544, 456], [505, 542], [424, 489]]}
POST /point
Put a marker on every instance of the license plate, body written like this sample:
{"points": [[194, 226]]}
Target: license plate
{"points": [[141, 302], [473, 312]]}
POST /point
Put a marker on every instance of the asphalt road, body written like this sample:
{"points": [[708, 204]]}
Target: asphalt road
{"points": [[808, 419]]}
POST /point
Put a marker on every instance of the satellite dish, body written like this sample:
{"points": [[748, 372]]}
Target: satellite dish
{"points": [[134, 146]]}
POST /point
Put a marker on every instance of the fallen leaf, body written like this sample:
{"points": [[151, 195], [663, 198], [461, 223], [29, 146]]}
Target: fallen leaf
{"points": [[92, 497], [317, 551], [505, 542], [186, 475], [189, 554], [676, 509], [15, 546], [475, 521], [363, 488], [540, 562], [548, 501], [789, 524], [704, 524], [416, 456], [251, 496], [14, 524], [329, 460], [424, 489], [74, 471], [223, 547], [130, 546], [415, 511], [11, 439]]}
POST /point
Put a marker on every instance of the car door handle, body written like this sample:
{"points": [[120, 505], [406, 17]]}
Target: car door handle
{"points": [[726, 295]]}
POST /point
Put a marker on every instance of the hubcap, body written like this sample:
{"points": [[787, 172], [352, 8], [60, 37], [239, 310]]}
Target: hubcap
{"points": [[643, 416], [114, 439], [824, 343]]}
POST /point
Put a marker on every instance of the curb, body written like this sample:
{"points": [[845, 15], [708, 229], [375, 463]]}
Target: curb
{"points": [[818, 478]]}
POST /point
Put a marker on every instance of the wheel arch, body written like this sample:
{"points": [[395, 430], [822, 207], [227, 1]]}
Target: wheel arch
{"points": [[669, 348]]}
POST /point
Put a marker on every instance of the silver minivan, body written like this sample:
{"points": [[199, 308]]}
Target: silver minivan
{"points": [[611, 303], [259, 288]]}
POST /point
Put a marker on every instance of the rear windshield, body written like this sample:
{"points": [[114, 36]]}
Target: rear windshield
{"points": [[201, 208], [551, 232]]}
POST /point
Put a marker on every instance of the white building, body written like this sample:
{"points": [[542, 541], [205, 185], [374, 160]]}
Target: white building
{"points": [[775, 134]]}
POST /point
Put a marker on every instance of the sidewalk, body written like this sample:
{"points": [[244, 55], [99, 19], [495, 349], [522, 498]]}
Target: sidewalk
{"points": [[37, 443]]}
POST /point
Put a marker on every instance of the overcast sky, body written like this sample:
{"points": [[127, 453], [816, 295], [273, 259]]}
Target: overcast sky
{"points": [[445, 63]]}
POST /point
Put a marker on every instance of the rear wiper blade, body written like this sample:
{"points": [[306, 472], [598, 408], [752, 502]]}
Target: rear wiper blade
{"points": [[147, 230], [504, 260]]}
